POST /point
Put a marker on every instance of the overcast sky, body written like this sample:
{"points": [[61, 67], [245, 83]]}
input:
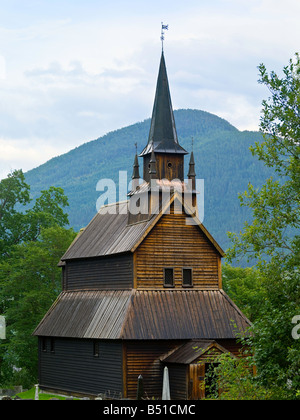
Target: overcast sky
{"points": [[73, 70]]}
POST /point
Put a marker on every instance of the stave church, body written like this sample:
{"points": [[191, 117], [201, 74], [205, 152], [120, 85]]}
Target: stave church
{"points": [[142, 286]]}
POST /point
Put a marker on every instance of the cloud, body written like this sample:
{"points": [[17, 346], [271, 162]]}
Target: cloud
{"points": [[2, 68], [55, 71], [23, 154], [59, 107], [69, 75]]}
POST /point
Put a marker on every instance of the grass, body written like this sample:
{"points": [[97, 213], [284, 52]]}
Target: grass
{"points": [[30, 394]]}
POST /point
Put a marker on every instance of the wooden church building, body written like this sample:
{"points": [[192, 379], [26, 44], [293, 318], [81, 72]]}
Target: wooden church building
{"points": [[142, 286]]}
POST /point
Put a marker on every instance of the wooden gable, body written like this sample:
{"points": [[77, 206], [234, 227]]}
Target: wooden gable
{"points": [[174, 242], [178, 241]]}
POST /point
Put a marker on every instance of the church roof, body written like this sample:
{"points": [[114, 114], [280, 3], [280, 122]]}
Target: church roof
{"points": [[109, 232], [163, 136], [192, 351], [143, 315]]}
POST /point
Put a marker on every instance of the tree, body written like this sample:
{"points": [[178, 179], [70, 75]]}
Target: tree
{"points": [[13, 191], [235, 380], [273, 235], [32, 240], [17, 225], [244, 286], [276, 205], [29, 283]]}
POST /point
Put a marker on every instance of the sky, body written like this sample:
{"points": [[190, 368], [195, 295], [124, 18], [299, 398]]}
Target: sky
{"points": [[71, 71]]}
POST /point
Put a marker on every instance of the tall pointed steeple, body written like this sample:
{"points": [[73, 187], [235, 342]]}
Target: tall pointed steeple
{"points": [[163, 140], [163, 135], [163, 157]]}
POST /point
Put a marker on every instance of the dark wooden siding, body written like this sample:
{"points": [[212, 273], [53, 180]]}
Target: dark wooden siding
{"points": [[72, 366], [233, 346], [168, 166], [178, 378], [174, 243], [143, 358], [106, 273]]}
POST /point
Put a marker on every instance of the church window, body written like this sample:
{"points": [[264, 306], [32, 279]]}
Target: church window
{"points": [[44, 344], [52, 347], [187, 277], [96, 348], [168, 277]]}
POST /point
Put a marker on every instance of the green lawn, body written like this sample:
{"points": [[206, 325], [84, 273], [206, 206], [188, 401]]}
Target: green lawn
{"points": [[31, 393]]}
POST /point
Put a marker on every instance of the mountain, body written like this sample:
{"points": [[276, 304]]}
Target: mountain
{"points": [[222, 159]]}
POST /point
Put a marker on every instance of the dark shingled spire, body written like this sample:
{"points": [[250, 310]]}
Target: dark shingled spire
{"points": [[192, 172], [136, 172], [163, 135]]}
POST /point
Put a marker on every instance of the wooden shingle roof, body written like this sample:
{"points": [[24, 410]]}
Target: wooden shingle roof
{"points": [[109, 232], [192, 351], [144, 315]]}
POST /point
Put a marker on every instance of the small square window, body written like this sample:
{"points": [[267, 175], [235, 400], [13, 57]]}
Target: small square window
{"points": [[187, 277], [168, 277]]}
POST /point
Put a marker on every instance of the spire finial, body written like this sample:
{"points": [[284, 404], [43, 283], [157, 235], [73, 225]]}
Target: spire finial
{"points": [[162, 37], [192, 172]]}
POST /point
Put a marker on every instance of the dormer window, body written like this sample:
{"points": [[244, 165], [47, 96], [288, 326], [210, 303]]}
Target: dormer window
{"points": [[168, 277]]}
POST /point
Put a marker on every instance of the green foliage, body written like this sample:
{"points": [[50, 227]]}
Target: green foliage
{"points": [[17, 225], [13, 191], [275, 206], [276, 351], [244, 286], [29, 283], [31, 244], [235, 379], [273, 235]]}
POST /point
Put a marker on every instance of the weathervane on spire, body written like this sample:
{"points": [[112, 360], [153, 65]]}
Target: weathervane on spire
{"points": [[163, 34]]}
